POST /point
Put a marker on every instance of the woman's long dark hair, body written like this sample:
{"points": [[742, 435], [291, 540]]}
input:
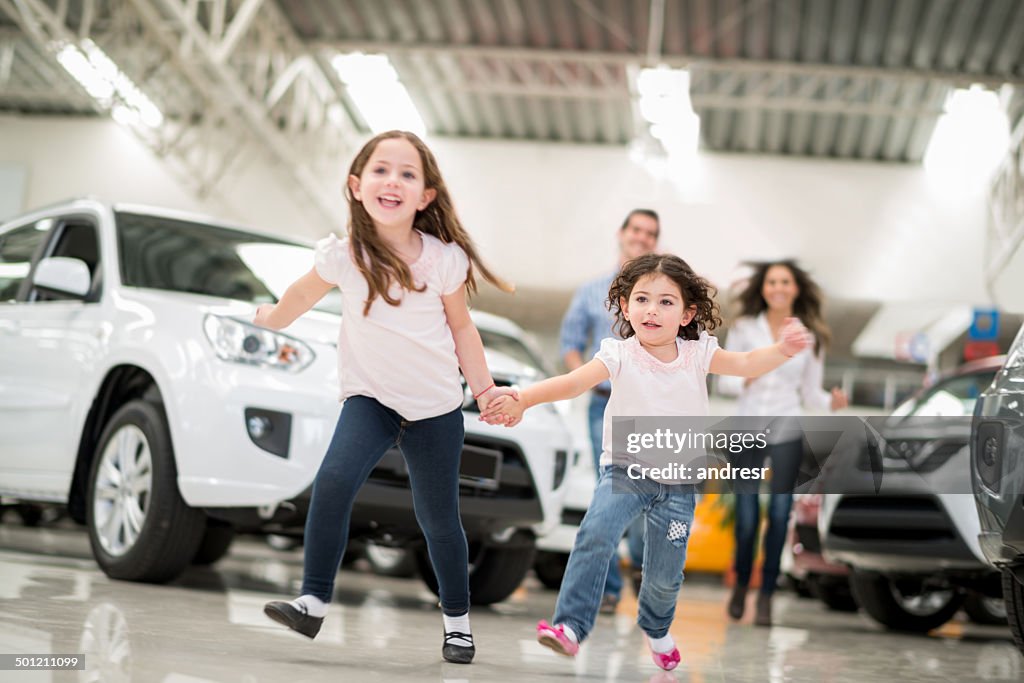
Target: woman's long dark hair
{"points": [[376, 261], [807, 305], [696, 291]]}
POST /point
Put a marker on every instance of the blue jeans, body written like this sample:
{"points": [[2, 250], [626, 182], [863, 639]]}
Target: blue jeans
{"points": [[432, 449], [667, 514], [635, 533], [785, 466]]}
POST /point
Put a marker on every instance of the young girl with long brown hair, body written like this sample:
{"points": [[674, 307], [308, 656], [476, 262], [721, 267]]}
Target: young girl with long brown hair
{"points": [[403, 272]]}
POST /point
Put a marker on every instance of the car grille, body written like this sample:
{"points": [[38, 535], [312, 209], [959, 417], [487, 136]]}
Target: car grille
{"points": [[885, 518], [514, 481], [572, 517]]}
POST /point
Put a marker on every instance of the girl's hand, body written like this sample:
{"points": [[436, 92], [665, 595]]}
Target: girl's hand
{"points": [[484, 400], [839, 400], [262, 313], [793, 338], [506, 410]]}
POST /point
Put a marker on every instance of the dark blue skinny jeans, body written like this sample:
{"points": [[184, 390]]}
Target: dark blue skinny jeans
{"points": [[432, 449]]}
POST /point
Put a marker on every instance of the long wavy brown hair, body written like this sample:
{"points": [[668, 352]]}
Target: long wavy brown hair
{"points": [[376, 261], [696, 291], [807, 306]]}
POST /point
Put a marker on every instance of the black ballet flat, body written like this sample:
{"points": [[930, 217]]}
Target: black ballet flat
{"points": [[458, 654], [295, 619]]}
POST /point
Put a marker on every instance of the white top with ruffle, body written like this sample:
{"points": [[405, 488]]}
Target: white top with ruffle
{"points": [[403, 356], [643, 386]]}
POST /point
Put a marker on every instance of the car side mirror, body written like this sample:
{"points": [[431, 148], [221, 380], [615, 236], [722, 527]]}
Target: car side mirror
{"points": [[63, 275]]}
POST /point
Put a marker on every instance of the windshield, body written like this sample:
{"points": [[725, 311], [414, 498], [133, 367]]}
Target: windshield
{"points": [[954, 397], [513, 348], [184, 256]]}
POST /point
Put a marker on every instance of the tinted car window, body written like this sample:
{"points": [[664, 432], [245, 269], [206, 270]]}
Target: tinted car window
{"points": [[17, 247], [184, 256], [513, 348]]}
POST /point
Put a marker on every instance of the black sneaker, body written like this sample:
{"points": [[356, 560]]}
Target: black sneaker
{"points": [[458, 654], [293, 617]]}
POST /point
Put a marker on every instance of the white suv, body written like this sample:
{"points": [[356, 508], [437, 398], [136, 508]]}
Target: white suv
{"points": [[134, 389]]}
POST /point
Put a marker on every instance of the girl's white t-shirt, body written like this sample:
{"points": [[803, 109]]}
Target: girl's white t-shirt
{"points": [[403, 356], [643, 386]]}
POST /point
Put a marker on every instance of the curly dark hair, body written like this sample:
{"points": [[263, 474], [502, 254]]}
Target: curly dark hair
{"points": [[696, 291], [807, 306]]}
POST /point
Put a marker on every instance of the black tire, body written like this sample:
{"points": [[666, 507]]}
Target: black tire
{"points": [[171, 531], [550, 568], [835, 593], [802, 587], [495, 571], [984, 610], [877, 594], [216, 543], [385, 561], [31, 515], [1013, 597]]}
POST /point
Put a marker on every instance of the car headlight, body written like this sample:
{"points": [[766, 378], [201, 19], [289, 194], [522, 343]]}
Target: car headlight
{"points": [[239, 342], [1014, 367]]}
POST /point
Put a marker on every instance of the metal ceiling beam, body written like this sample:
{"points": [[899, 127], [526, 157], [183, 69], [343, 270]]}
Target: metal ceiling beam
{"points": [[233, 78], [677, 61], [177, 26]]}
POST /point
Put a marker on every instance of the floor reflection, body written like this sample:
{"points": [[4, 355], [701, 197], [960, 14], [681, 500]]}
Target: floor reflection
{"points": [[209, 626]]}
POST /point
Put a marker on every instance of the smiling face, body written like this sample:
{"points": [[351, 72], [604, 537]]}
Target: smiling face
{"points": [[780, 289], [391, 185], [639, 237], [656, 309]]}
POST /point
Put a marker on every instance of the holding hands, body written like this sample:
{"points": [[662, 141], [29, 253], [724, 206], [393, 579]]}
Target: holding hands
{"points": [[507, 410], [492, 402]]}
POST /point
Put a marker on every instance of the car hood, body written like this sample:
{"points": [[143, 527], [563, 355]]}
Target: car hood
{"points": [[320, 328]]}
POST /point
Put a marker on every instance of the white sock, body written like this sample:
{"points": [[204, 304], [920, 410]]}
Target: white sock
{"points": [[569, 633], [662, 645], [459, 624], [314, 606]]}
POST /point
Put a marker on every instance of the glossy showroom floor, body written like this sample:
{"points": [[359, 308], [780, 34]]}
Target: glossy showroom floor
{"points": [[209, 626]]}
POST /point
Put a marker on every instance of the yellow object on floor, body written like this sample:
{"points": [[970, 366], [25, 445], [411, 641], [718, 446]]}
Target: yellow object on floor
{"points": [[711, 544]]}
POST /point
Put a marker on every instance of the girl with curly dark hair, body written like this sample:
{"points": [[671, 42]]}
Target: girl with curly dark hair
{"points": [[664, 311]]}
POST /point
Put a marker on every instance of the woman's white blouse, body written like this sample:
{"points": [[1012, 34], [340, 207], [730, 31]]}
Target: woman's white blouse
{"points": [[791, 389]]}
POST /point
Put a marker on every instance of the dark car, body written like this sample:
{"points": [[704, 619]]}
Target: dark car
{"points": [[997, 477]]}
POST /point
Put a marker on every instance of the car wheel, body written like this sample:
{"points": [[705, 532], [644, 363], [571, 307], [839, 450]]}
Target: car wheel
{"points": [[495, 571], [387, 561], [984, 610], [140, 529], [802, 587], [1013, 597], [550, 567], [835, 593], [216, 543], [897, 607], [31, 515]]}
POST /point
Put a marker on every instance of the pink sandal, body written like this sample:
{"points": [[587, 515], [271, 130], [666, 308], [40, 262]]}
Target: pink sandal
{"points": [[554, 637], [666, 660]]}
